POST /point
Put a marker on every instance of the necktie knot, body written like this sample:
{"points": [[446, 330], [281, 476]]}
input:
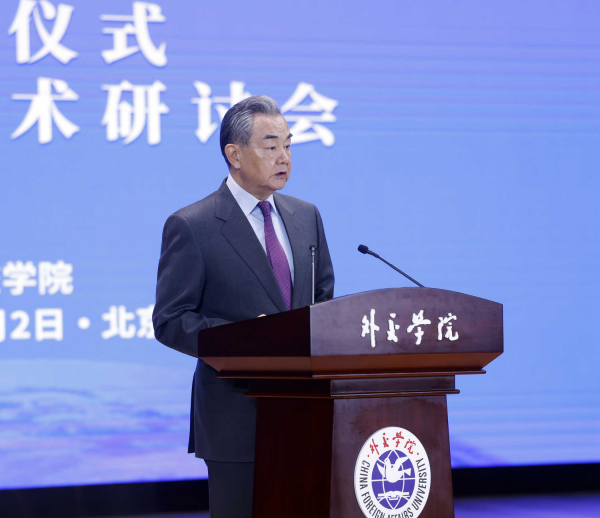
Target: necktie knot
{"points": [[265, 208]]}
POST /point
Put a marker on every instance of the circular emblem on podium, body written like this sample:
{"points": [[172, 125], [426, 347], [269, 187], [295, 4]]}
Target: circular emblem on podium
{"points": [[392, 476]]}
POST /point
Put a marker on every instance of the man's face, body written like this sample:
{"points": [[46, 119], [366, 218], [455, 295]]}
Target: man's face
{"points": [[264, 166]]}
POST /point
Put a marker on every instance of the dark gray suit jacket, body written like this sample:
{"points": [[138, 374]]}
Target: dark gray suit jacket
{"points": [[213, 271]]}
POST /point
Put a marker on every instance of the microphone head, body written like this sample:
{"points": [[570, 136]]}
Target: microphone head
{"points": [[363, 249]]}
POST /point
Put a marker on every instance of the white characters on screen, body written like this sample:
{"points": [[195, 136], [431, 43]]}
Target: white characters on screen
{"points": [[392, 328], [55, 277], [20, 332], [44, 112], [146, 329], [48, 324], [306, 110], [447, 321], [126, 120], [206, 127], [118, 319], [136, 25], [18, 276], [306, 117], [50, 278], [369, 327], [120, 322], [417, 321], [51, 41]]}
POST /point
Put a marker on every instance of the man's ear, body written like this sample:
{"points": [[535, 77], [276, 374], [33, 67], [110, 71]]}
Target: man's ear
{"points": [[232, 153]]}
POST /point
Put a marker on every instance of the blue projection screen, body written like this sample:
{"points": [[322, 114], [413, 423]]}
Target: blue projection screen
{"points": [[460, 140]]}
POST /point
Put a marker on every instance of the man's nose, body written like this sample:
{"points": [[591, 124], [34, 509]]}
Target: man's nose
{"points": [[284, 156]]}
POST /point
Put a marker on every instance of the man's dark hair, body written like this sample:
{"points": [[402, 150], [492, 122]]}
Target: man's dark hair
{"points": [[236, 127]]}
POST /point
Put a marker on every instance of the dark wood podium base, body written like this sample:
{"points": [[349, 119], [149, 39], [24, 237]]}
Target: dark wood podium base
{"points": [[310, 432], [329, 376]]}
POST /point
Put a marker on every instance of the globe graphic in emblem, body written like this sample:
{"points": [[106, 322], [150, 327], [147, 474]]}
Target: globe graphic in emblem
{"points": [[393, 479]]}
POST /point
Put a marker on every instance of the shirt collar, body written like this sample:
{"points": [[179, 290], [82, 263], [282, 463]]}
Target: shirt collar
{"points": [[246, 201]]}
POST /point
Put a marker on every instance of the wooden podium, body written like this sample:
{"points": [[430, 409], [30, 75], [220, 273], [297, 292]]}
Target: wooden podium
{"points": [[331, 376]]}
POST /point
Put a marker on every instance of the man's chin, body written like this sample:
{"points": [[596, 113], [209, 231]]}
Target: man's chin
{"points": [[278, 183]]}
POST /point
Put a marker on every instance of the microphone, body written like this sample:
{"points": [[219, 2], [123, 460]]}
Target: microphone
{"points": [[364, 249], [312, 253]]}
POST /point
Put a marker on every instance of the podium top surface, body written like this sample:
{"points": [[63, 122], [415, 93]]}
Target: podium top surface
{"points": [[392, 330]]}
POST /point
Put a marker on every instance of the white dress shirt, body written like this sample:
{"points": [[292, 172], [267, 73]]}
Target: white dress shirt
{"points": [[249, 205]]}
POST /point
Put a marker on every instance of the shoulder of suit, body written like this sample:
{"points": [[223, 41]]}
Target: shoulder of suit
{"points": [[203, 208], [295, 203]]}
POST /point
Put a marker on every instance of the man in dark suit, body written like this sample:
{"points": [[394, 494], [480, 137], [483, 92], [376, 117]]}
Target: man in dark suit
{"points": [[240, 253]]}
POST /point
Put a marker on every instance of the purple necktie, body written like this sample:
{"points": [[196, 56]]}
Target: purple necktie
{"points": [[277, 256]]}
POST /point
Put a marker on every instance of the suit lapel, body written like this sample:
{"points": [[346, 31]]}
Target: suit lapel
{"points": [[238, 231], [300, 248]]}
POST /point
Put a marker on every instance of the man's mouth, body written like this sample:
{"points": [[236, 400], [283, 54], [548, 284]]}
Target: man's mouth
{"points": [[280, 175]]}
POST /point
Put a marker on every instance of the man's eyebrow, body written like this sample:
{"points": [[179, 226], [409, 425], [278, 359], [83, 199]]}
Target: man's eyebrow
{"points": [[267, 137]]}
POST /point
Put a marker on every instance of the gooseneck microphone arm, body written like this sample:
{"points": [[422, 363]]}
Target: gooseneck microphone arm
{"points": [[364, 249], [312, 253]]}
